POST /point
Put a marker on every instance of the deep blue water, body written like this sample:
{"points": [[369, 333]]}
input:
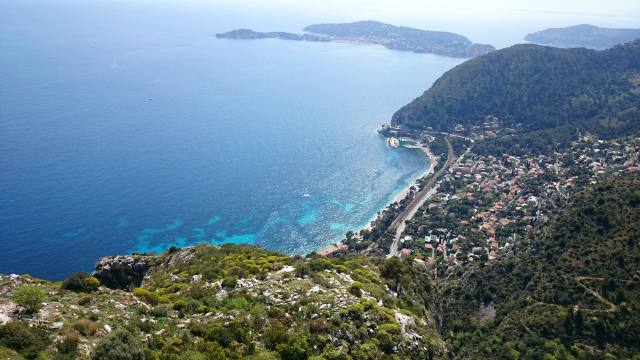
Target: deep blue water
{"points": [[130, 128]]}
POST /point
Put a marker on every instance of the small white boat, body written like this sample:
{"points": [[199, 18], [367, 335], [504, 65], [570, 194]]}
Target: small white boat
{"points": [[306, 195]]}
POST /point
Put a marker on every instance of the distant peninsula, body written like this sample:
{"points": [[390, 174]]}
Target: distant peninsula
{"points": [[587, 36], [373, 32]]}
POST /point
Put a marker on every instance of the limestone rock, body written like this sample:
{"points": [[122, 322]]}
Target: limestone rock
{"points": [[122, 272]]}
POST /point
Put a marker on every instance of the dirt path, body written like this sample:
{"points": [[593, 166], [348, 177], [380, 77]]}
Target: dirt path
{"points": [[595, 294]]}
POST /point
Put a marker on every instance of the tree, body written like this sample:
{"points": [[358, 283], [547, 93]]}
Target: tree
{"points": [[119, 345], [392, 269], [30, 297], [579, 322]]}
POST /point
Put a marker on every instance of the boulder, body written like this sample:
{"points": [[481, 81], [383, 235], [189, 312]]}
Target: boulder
{"points": [[122, 272]]}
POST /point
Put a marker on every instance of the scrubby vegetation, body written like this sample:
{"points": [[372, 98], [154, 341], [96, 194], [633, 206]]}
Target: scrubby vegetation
{"points": [[30, 297], [235, 302], [81, 282]]}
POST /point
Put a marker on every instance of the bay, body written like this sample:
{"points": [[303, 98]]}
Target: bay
{"points": [[127, 127]]}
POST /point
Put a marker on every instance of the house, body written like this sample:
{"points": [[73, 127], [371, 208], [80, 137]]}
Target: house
{"points": [[405, 252]]}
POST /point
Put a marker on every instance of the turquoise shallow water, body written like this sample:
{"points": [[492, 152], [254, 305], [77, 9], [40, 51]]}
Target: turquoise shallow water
{"points": [[130, 128]]}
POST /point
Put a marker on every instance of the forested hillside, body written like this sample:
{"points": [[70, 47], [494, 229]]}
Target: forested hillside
{"points": [[583, 35], [530, 87], [572, 291]]}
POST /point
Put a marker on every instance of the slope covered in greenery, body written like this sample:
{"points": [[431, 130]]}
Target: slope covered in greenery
{"points": [[573, 291], [583, 35], [402, 38], [228, 302], [531, 87]]}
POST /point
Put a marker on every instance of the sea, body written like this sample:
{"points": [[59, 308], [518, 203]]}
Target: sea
{"points": [[127, 127]]}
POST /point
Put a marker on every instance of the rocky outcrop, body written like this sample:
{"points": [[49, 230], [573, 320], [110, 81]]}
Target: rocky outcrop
{"points": [[122, 272]]}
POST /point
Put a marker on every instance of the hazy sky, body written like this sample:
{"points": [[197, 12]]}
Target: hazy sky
{"points": [[500, 23], [624, 10]]}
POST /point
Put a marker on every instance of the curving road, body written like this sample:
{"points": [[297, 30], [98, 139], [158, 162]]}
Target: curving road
{"points": [[398, 225]]}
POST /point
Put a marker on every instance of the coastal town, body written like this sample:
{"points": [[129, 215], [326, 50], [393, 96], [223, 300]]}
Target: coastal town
{"points": [[476, 206]]}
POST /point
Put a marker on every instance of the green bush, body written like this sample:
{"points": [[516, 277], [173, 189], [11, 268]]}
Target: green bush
{"points": [[180, 305], [30, 297], [8, 354], [149, 297], [296, 349], [26, 340], [68, 347], [86, 327], [229, 283], [81, 282], [356, 289], [119, 345], [274, 335], [159, 311], [355, 311]]}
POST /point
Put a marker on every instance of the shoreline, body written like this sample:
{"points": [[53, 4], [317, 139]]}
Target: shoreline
{"points": [[401, 195]]}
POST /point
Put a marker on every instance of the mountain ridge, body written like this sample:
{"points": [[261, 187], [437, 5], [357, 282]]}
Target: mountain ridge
{"points": [[530, 86], [583, 35]]}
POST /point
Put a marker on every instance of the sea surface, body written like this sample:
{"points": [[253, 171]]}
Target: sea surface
{"points": [[127, 127]]}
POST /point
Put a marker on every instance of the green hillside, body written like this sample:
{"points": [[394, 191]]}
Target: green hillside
{"points": [[531, 87], [572, 291], [229, 302], [583, 35]]}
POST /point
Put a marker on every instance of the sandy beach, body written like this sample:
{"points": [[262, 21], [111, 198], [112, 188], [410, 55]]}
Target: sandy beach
{"points": [[326, 251]]}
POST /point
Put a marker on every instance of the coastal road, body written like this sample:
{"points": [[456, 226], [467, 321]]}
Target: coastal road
{"points": [[398, 225]]}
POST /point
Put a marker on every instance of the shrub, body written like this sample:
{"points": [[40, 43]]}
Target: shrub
{"points": [[86, 327], [149, 297], [84, 300], [119, 345], [195, 306], [237, 303], [302, 269], [296, 349], [274, 335], [159, 311], [68, 347], [192, 355], [180, 305], [387, 341], [331, 353], [81, 282], [320, 263], [355, 311], [390, 328], [30, 297], [368, 350], [28, 341], [265, 355], [230, 282], [92, 284], [356, 289]]}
